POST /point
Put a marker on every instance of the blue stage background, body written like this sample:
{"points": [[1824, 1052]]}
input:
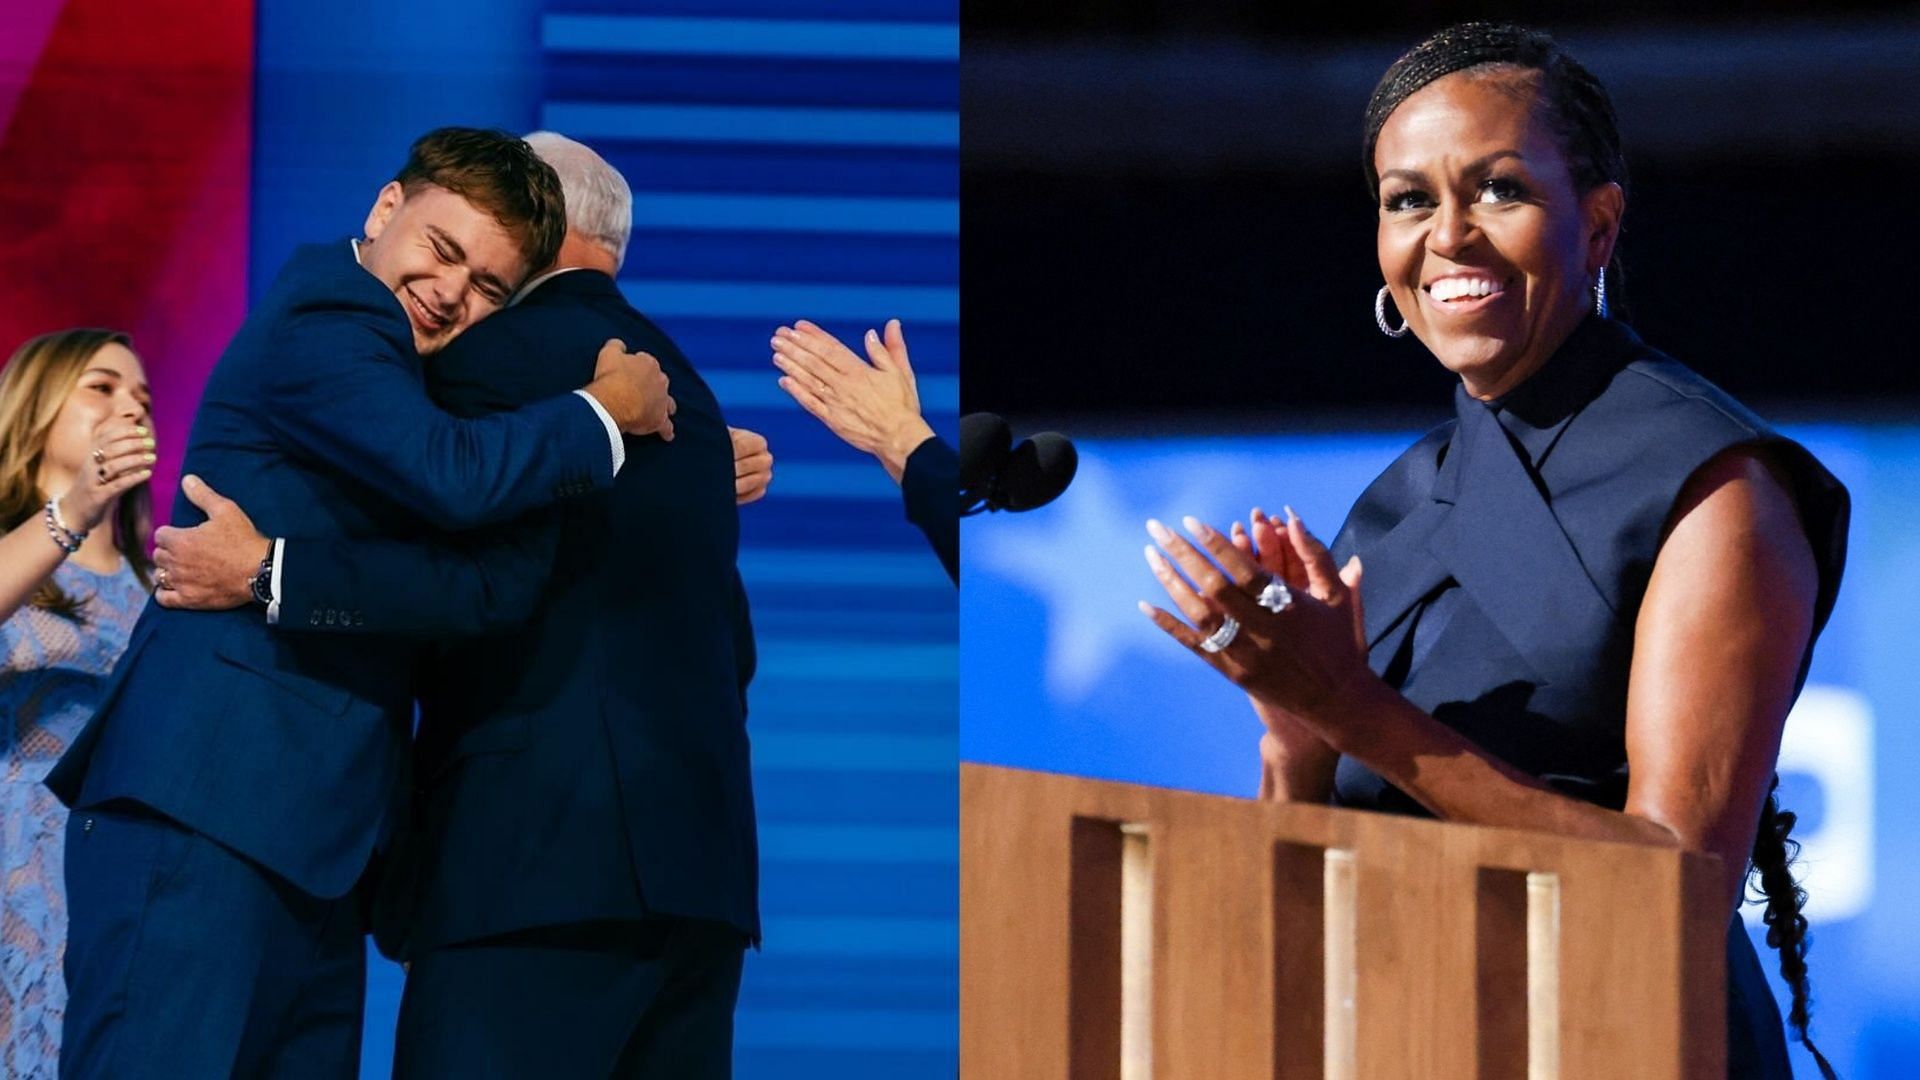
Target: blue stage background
{"points": [[789, 159], [1061, 673]]}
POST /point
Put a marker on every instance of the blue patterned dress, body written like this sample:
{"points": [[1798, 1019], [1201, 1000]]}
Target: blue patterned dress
{"points": [[52, 670]]}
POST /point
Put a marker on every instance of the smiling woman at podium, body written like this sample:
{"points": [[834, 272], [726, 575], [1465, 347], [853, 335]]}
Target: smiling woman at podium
{"points": [[1585, 604]]}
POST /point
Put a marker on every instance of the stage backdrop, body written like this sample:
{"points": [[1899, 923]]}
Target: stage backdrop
{"points": [[1061, 672], [789, 159]]}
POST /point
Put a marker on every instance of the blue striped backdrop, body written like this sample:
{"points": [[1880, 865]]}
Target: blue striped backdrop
{"points": [[795, 159]]}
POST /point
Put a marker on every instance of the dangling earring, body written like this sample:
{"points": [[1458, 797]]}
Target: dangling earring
{"points": [[1600, 293], [1380, 315]]}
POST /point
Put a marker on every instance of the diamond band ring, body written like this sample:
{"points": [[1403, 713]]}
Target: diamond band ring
{"points": [[1222, 637]]}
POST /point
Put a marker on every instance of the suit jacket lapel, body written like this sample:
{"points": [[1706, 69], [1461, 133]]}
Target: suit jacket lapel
{"points": [[1504, 546], [1400, 570]]}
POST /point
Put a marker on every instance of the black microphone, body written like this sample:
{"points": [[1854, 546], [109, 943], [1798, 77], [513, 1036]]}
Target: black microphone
{"points": [[997, 476], [985, 442], [1037, 471]]}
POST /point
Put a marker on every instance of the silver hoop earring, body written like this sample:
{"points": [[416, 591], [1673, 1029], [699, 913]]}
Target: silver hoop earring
{"points": [[1600, 293], [1380, 314]]}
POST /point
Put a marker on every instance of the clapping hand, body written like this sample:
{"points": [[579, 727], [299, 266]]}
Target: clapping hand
{"points": [[1300, 659], [874, 407]]}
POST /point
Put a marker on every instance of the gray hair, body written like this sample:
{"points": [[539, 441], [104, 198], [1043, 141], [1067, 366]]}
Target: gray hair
{"points": [[599, 203]]}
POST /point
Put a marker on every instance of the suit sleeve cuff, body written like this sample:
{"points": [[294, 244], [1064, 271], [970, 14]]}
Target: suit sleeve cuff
{"points": [[273, 584], [613, 431]]}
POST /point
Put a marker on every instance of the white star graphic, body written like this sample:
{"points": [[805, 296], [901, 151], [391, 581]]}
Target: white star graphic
{"points": [[1082, 557]]}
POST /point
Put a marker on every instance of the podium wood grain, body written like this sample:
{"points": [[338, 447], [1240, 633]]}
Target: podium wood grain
{"points": [[1629, 939]]}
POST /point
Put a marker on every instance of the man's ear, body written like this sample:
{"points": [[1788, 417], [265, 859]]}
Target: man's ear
{"points": [[384, 205]]}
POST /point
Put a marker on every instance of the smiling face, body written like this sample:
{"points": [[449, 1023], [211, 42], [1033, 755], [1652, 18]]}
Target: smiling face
{"points": [[449, 263], [112, 384], [1488, 250]]}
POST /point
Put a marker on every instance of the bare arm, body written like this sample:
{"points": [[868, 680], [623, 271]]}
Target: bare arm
{"points": [[28, 556], [1719, 638], [28, 553], [1717, 646]]}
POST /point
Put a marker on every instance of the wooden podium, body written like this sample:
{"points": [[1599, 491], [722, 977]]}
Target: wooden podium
{"points": [[1117, 932]]}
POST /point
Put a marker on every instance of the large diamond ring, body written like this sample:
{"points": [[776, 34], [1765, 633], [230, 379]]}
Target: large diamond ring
{"points": [[99, 456], [1276, 597], [1222, 637]]}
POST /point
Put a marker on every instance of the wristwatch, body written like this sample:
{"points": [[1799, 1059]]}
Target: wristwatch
{"points": [[262, 584]]}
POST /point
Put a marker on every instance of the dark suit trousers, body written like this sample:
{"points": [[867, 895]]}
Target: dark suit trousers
{"points": [[648, 1000], [185, 961]]}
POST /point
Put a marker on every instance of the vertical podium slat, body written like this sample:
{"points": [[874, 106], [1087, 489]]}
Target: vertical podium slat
{"points": [[1457, 970], [1213, 964], [1416, 952]]}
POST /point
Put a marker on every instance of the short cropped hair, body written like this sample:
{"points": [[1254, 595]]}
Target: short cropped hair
{"points": [[502, 176], [599, 202]]}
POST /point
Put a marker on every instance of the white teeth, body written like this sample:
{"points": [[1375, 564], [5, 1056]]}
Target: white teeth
{"points": [[1455, 288]]}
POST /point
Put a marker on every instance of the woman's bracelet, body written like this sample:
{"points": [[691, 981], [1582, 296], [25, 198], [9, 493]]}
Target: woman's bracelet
{"points": [[68, 540]]}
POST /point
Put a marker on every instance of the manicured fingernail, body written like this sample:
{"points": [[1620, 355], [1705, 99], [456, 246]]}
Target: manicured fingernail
{"points": [[1145, 608], [1237, 530], [873, 335], [151, 458], [1158, 531], [1153, 557], [1291, 516], [1196, 528]]}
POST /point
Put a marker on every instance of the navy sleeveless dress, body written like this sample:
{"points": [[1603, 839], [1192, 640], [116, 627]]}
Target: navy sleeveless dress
{"points": [[1507, 553]]}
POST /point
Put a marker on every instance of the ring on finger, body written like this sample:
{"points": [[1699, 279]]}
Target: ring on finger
{"points": [[162, 578], [1222, 637], [1275, 596], [99, 456], [101, 472]]}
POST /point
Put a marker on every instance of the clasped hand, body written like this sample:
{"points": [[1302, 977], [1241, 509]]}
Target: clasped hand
{"points": [[209, 567], [1303, 660]]}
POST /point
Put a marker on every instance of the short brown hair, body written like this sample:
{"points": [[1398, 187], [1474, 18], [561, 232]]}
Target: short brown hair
{"points": [[500, 174]]}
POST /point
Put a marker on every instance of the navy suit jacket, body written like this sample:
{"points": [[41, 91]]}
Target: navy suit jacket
{"points": [[291, 749], [586, 758]]}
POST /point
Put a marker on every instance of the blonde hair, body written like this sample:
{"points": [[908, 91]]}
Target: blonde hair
{"points": [[33, 386]]}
